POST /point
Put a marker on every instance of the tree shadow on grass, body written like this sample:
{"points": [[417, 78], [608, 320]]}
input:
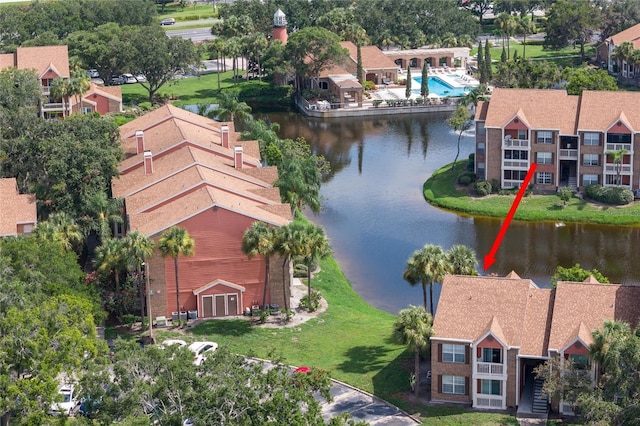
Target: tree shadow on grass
{"points": [[223, 327], [364, 359]]}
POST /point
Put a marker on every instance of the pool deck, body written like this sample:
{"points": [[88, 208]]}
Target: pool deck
{"points": [[454, 78]]}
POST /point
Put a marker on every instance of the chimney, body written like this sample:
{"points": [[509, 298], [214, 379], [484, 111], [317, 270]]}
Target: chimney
{"points": [[224, 135], [237, 156], [148, 163], [139, 141]]}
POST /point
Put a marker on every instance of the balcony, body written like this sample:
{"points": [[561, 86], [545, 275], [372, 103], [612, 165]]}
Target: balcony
{"points": [[568, 154], [515, 143], [625, 169], [618, 146], [54, 106], [488, 401], [516, 164], [490, 368]]}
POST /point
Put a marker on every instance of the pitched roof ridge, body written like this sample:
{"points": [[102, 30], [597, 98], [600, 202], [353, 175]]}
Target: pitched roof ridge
{"points": [[513, 275], [591, 280]]}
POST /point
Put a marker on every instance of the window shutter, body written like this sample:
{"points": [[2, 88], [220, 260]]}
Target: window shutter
{"points": [[439, 352], [466, 385], [467, 354], [439, 383]]}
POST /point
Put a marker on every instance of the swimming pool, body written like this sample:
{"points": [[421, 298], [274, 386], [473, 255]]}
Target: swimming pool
{"points": [[439, 87]]}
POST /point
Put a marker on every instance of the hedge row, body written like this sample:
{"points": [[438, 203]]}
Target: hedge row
{"points": [[615, 195]]}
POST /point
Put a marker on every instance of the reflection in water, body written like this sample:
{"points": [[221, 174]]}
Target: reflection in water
{"points": [[375, 214]]}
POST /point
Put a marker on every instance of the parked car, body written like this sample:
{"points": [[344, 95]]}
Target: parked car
{"points": [[168, 21], [93, 73], [141, 78], [171, 342], [116, 80], [69, 401], [201, 350], [128, 78]]}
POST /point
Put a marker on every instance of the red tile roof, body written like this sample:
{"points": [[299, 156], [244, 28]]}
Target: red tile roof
{"points": [[42, 58], [15, 208], [631, 34]]}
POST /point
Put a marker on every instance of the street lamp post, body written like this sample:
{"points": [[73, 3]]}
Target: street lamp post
{"points": [[146, 276]]}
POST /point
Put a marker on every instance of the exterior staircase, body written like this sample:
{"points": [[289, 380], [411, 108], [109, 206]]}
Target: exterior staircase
{"points": [[540, 401], [572, 182]]}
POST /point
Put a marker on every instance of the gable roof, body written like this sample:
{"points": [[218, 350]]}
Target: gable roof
{"points": [[500, 305], [42, 58], [544, 109], [372, 56], [192, 172], [16, 208], [631, 34], [599, 110]]}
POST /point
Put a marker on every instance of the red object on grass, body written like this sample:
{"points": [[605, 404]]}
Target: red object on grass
{"points": [[302, 370]]}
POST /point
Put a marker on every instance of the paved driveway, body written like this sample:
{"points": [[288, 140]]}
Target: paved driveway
{"points": [[362, 407]]}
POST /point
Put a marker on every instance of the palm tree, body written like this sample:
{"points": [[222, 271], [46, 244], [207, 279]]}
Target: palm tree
{"points": [[289, 244], [103, 212], [261, 239], [78, 84], [229, 108], [525, 26], [315, 245], [462, 260], [622, 53], [617, 157], [110, 256], [138, 248], [59, 89], [612, 331], [413, 328], [175, 242], [62, 228], [460, 122], [427, 266], [508, 26]]}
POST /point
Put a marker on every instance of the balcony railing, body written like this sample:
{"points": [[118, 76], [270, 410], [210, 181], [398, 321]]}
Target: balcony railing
{"points": [[490, 368], [618, 146], [489, 401], [54, 106], [516, 164], [613, 168], [515, 143], [568, 154]]}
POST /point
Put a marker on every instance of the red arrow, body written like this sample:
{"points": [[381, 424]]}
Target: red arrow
{"points": [[490, 258]]}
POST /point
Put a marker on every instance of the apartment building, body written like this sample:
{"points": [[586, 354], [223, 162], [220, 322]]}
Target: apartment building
{"points": [[572, 139]]}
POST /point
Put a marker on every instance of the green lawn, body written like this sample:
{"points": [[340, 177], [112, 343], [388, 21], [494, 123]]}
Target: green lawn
{"points": [[567, 56], [440, 190], [189, 13], [191, 90]]}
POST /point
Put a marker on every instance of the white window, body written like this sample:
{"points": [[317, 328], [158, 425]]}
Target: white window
{"points": [[592, 139], [544, 158], [514, 154], [87, 110], [522, 134], [480, 147], [589, 179], [453, 353], [491, 387], [453, 384], [544, 137], [544, 178], [590, 159]]}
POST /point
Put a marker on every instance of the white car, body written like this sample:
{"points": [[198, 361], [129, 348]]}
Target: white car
{"points": [[128, 78], [201, 350], [171, 342], [69, 401]]}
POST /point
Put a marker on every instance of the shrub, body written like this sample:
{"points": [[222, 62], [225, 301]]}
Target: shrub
{"points": [[315, 301], [369, 85], [377, 102], [464, 180], [565, 193], [614, 195], [495, 185], [482, 188], [467, 175]]}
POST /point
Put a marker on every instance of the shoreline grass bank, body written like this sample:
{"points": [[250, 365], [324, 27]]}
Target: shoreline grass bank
{"points": [[440, 190]]}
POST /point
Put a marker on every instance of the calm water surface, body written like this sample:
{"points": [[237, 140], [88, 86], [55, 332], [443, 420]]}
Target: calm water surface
{"points": [[375, 215]]}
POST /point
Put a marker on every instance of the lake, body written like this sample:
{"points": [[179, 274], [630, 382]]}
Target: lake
{"points": [[375, 214]]}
